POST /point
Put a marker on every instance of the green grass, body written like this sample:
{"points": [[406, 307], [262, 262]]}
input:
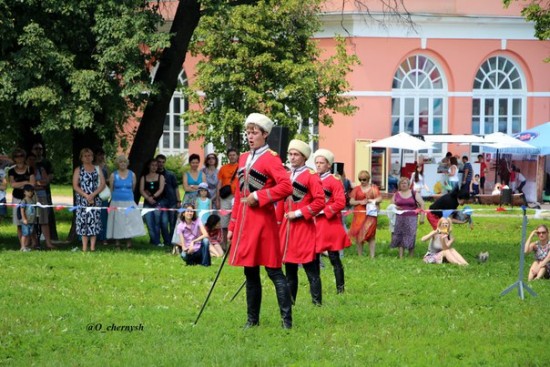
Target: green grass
{"points": [[394, 312], [62, 190]]}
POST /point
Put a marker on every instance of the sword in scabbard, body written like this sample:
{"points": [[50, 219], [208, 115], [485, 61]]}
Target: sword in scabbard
{"points": [[213, 284]]}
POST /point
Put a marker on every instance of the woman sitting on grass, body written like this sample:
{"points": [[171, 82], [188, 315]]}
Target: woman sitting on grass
{"points": [[194, 248], [541, 267], [215, 235], [441, 242]]}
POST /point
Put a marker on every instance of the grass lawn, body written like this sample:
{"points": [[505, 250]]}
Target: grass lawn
{"points": [[394, 312], [62, 190]]}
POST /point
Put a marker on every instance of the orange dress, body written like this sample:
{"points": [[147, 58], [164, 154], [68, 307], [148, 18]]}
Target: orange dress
{"points": [[363, 227]]}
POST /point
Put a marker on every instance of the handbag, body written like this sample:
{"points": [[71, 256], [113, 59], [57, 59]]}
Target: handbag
{"points": [[372, 210], [105, 194], [225, 190]]}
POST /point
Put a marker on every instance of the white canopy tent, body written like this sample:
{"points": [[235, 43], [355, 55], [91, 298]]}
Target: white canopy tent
{"points": [[456, 138], [491, 142], [402, 141], [500, 140]]}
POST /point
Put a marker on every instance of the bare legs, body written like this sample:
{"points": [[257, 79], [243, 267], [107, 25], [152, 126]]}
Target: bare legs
{"points": [[128, 243], [402, 252], [454, 257], [359, 248], [536, 275], [215, 250], [372, 248], [47, 236], [85, 243]]}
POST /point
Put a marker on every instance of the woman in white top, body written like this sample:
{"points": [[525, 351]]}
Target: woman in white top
{"points": [[417, 180], [453, 173]]}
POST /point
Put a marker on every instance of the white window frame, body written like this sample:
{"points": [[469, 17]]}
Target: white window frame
{"points": [[172, 116], [496, 94], [416, 93]]}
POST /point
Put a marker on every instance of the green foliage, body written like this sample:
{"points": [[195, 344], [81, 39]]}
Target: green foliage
{"points": [[537, 11], [394, 312], [262, 58], [175, 164], [75, 65]]}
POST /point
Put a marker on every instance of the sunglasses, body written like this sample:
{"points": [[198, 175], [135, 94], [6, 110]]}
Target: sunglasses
{"points": [[543, 232], [19, 156], [363, 179]]}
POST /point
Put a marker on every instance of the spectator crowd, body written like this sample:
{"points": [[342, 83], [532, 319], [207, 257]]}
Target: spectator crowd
{"points": [[251, 206]]}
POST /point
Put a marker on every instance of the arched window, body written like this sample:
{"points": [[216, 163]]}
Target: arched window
{"points": [[498, 98], [419, 98], [174, 138]]}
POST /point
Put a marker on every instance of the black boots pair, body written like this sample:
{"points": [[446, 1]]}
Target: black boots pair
{"points": [[254, 296], [314, 278]]}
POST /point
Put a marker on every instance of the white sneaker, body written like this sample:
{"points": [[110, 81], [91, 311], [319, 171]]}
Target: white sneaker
{"points": [[75, 249], [160, 245], [26, 249]]}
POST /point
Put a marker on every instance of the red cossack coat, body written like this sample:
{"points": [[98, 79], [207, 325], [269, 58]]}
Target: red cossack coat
{"points": [[255, 238], [298, 235], [331, 235]]}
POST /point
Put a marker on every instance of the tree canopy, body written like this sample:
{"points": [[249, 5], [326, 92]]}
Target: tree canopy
{"points": [[537, 11], [74, 66], [263, 58]]}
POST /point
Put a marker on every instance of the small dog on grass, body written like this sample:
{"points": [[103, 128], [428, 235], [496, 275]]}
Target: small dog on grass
{"points": [[483, 257]]}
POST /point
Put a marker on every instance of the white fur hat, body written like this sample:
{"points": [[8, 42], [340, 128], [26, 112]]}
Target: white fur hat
{"points": [[261, 120], [325, 153], [300, 146]]}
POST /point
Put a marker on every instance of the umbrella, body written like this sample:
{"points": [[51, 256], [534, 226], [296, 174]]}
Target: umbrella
{"points": [[505, 143], [402, 141], [539, 137], [453, 138]]}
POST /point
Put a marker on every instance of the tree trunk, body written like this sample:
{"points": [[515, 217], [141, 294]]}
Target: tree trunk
{"points": [[171, 61]]}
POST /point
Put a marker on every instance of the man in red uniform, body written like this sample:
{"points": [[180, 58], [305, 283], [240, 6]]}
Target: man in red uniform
{"points": [[252, 230], [482, 172], [331, 235], [297, 215]]}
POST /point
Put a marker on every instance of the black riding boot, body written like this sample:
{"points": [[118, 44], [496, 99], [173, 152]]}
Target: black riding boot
{"points": [[315, 288], [339, 275], [334, 257], [292, 279], [283, 295], [253, 296]]}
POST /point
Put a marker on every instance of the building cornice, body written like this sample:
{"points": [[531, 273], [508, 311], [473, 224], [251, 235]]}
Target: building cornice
{"points": [[425, 25]]}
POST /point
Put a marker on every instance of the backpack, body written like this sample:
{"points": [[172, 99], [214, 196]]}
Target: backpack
{"points": [[19, 215]]}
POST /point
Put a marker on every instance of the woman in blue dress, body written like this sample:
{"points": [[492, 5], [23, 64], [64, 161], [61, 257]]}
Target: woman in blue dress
{"points": [[192, 179], [124, 218]]}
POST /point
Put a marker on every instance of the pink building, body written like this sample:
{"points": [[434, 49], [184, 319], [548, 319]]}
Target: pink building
{"points": [[466, 67]]}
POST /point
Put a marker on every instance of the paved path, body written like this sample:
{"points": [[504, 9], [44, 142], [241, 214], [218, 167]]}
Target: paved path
{"points": [[62, 200]]}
